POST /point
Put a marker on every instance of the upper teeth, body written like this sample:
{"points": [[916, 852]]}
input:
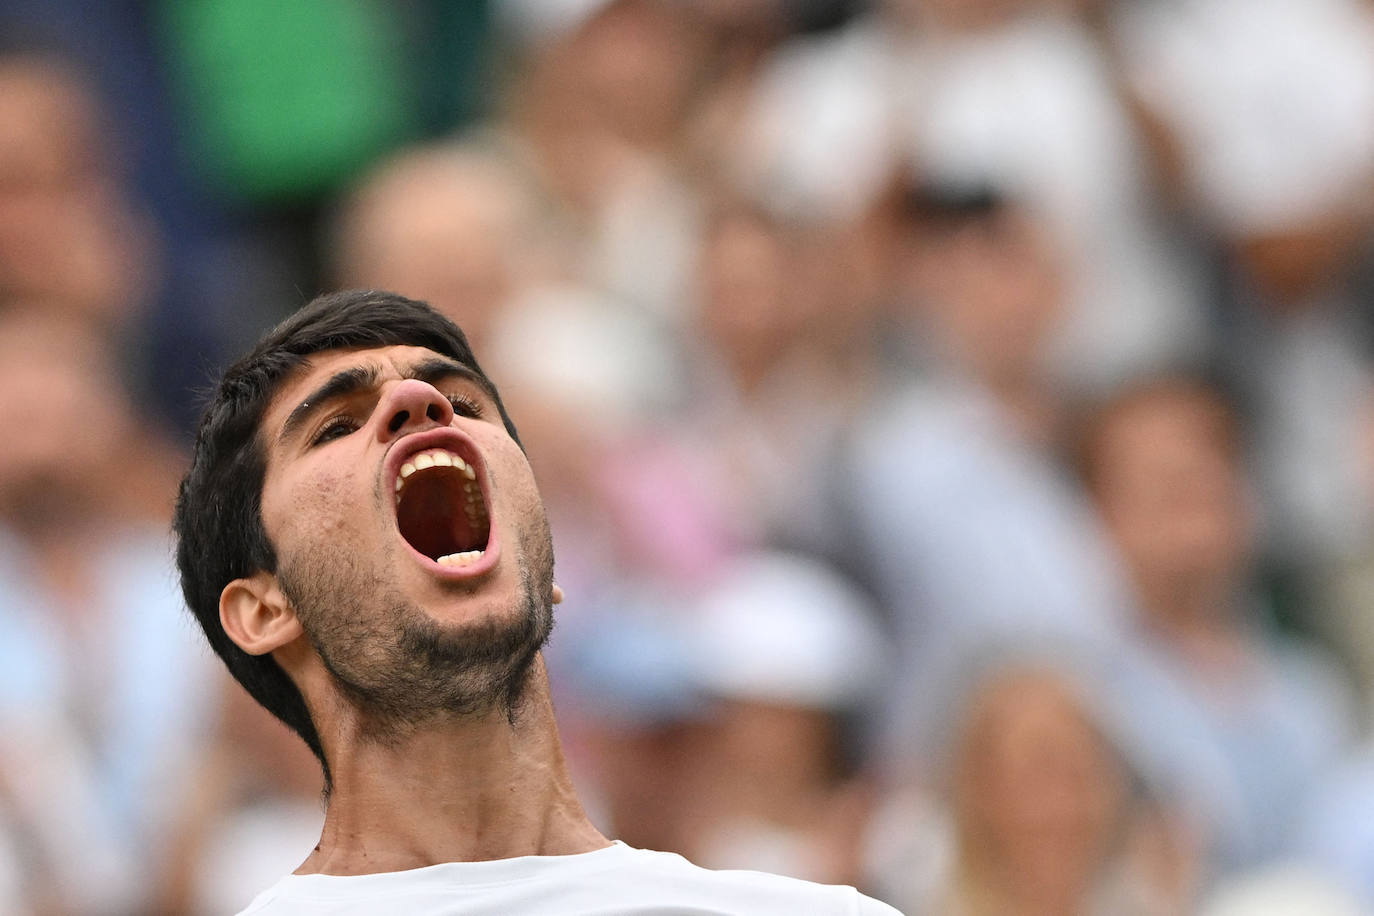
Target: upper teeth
{"points": [[462, 558], [434, 457]]}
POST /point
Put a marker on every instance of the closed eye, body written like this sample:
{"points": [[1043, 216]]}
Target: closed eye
{"points": [[465, 406], [335, 428], [341, 425]]}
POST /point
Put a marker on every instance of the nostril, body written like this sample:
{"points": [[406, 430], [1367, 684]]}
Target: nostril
{"points": [[434, 413], [398, 420]]}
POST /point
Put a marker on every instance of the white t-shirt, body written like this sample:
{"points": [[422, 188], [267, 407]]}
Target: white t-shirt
{"points": [[616, 880]]}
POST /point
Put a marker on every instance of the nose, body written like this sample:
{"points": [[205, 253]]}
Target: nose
{"points": [[411, 405]]}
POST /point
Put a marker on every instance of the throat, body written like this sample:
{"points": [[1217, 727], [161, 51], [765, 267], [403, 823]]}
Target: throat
{"points": [[443, 516]]}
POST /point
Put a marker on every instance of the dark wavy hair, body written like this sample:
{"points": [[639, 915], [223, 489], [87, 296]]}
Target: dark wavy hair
{"points": [[218, 520]]}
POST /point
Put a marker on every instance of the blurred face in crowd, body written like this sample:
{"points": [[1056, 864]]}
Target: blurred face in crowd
{"points": [[775, 752], [746, 311], [643, 777], [1039, 795], [989, 287], [61, 396], [442, 226], [51, 125], [67, 238], [772, 792], [1293, 266], [1164, 465], [636, 61]]}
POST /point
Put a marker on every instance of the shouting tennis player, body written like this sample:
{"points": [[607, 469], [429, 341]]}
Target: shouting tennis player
{"points": [[361, 538]]}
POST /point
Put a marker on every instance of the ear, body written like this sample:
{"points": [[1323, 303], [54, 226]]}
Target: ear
{"points": [[557, 593], [256, 614]]}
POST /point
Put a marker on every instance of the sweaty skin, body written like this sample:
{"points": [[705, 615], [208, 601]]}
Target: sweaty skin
{"points": [[430, 780]]}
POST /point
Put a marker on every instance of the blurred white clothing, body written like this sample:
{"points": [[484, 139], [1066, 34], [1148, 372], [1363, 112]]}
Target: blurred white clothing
{"points": [[1281, 721], [97, 726], [1272, 102], [1285, 891], [1337, 833], [967, 527], [783, 628]]}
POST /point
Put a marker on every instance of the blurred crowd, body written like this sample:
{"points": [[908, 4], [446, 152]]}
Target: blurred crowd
{"points": [[956, 420]]}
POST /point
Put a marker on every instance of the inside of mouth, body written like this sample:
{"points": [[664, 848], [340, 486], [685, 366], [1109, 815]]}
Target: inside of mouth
{"points": [[432, 514]]}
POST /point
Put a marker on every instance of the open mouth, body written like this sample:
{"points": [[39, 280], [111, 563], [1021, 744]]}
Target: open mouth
{"points": [[440, 510]]}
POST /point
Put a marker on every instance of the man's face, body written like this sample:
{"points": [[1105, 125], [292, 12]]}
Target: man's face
{"points": [[411, 539], [1039, 793], [1173, 493]]}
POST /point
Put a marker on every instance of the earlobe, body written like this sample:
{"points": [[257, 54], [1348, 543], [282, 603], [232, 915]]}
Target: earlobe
{"points": [[557, 593], [256, 615]]}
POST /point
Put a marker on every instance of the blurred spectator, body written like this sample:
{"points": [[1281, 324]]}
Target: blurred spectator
{"points": [[783, 349], [115, 226], [69, 236], [671, 242], [1027, 95], [597, 121], [725, 720], [960, 507], [1165, 461], [790, 657], [102, 681], [810, 130], [448, 224], [1020, 94], [1272, 108], [1042, 795], [632, 714]]}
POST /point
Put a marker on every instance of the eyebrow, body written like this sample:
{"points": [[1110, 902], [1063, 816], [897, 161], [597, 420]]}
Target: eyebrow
{"points": [[348, 382]]}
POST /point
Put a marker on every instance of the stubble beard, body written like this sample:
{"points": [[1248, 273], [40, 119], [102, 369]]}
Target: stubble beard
{"points": [[398, 667]]}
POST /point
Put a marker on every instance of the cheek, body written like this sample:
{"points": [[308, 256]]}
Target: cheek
{"points": [[514, 484], [326, 507], [512, 480]]}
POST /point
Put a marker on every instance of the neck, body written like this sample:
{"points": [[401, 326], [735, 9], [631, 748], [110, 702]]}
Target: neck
{"points": [[1182, 608], [459, 791]]}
